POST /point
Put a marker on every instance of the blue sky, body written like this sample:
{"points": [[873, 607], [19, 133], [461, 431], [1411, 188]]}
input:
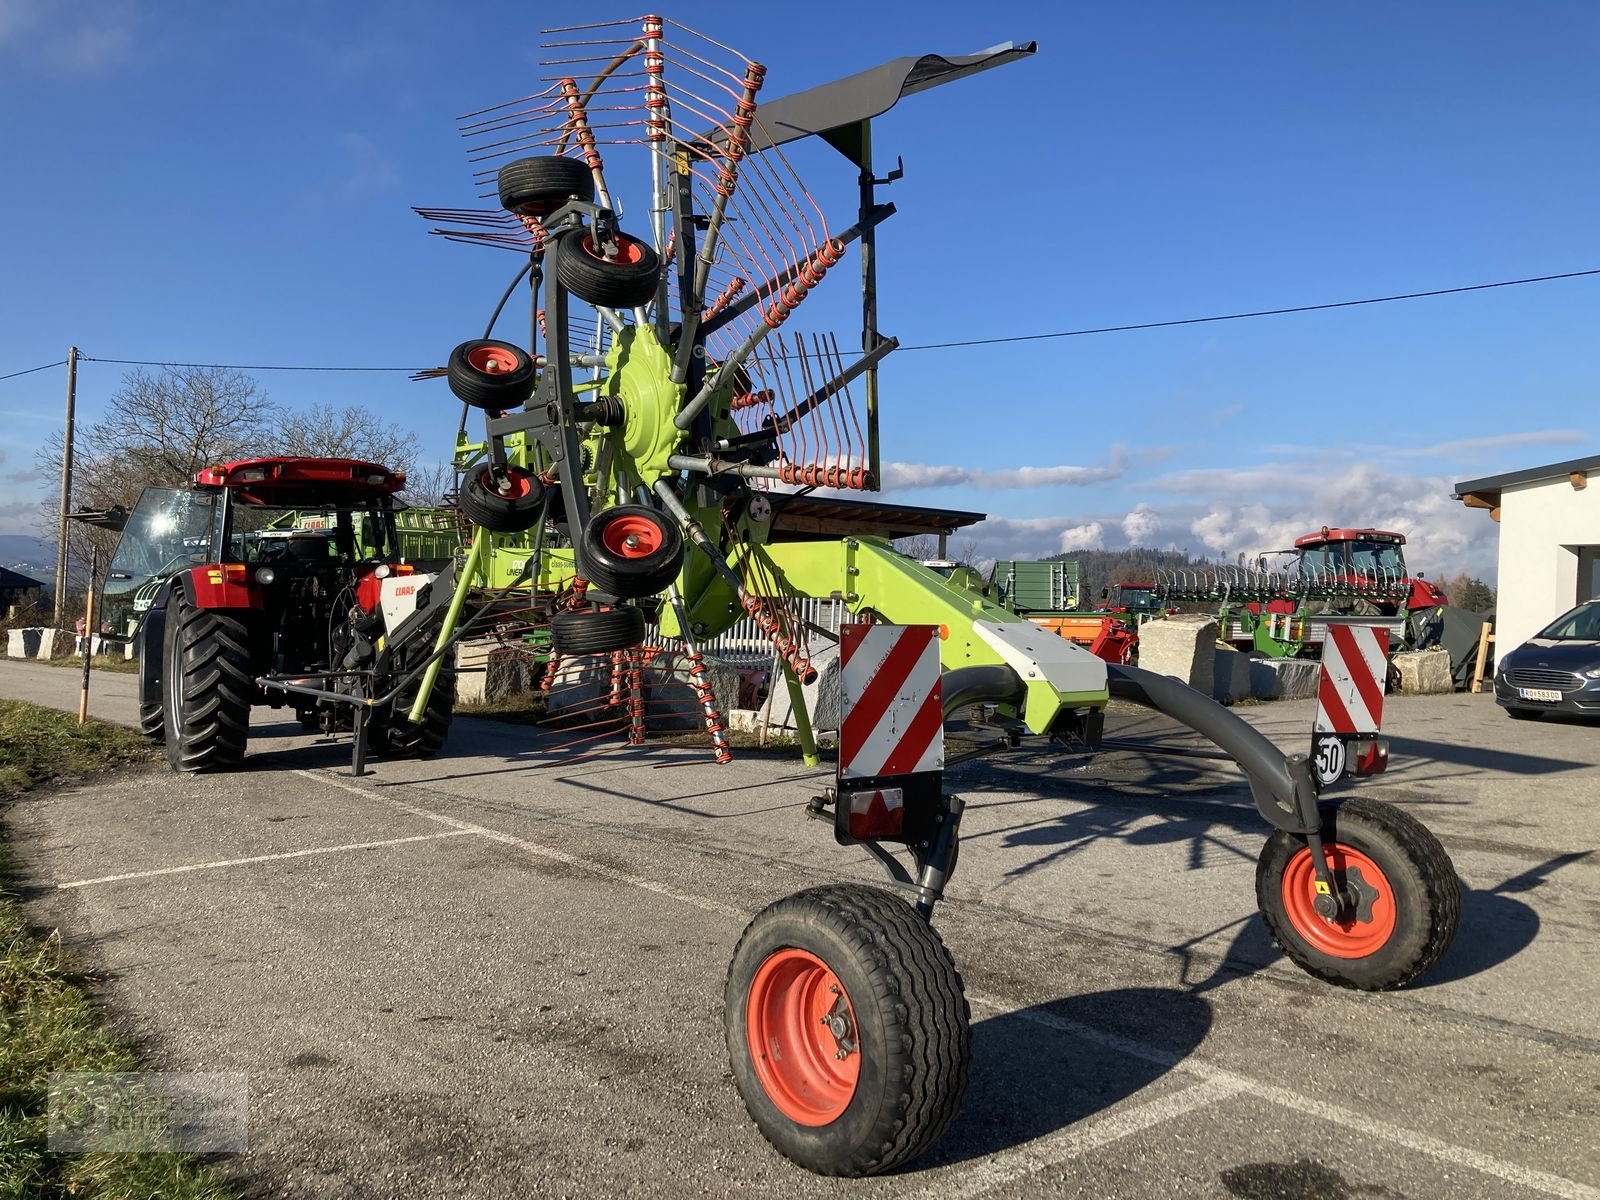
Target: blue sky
{"points": [[233, 184]]}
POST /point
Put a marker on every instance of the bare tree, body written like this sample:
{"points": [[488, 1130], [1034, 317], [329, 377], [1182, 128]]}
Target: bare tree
{"points": [[351, 432], [919, 546], [428, 486], [158, 430]]}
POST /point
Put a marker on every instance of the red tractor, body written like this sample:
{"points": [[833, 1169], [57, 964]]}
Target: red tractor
{"points": [[1338, 560], [277, 581]]}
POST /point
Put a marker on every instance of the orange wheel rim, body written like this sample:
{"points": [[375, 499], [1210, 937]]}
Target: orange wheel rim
{"points": [[792, 1016], [492, 360], [514, 485], [628, 250], [631, 537], [1353, 935]]}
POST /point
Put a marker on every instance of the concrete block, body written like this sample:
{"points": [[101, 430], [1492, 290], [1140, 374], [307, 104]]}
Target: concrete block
{"points": [[670, 700], [581, 686], [22, 643], [824, 696], [57, 643], [1181, 647], [1284, 678], [1230, 676], [487, 670], [1423, 672]]}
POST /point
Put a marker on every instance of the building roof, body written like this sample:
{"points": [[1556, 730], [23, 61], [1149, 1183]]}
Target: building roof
{"points": [[1485, 492], [797, 518], [10, 581]]}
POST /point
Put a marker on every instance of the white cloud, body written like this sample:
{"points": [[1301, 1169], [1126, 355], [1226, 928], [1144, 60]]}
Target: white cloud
{"points": [[1470, 447], [1140, 525], [84, 38], [1207, 517], [898, 476], [1091, 536]]}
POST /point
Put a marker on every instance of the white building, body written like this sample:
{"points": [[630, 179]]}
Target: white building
{"points": [[1549, 542]]}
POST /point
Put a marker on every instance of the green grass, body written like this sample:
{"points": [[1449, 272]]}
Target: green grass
{"points": [[47, 1020], [39, 745], [101, 662]]}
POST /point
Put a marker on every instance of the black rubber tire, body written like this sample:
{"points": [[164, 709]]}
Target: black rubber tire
{"points": [[627, 281], [394, 735], [591, 631], [632, 578], [536, 187], [1524, 714], [473, 382], [1426, 894], [151, 654], [913, 1027], [510, 511], [208, 685]]}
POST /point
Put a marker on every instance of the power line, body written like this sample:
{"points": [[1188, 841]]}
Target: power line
{"points": [[146, 362], [992, 341], [1265, 312], [31, 370]]}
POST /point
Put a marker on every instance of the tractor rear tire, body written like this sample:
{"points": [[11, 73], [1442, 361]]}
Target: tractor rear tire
{"points": [[588, 631], [1409, 899], [632, 551], [395, 735], [208, 684], [151, 654], [848, 1030], [626, 281], [536, 187], [491, 375], [510, 503]]}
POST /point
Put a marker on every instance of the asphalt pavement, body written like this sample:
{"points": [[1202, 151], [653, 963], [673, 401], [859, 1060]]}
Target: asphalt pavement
{"points": [[499, 972]]}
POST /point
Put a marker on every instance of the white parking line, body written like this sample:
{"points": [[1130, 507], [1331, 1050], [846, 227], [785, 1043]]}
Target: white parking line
{"points": [[259, 858], [1062, 1147], [561, 856], [1422, 1143], [1223, 1082]]}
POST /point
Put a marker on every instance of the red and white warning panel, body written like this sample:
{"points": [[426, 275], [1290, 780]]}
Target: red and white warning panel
{"points": [[893, 704], [1355, 667], [1355, 663], [891, 740]]}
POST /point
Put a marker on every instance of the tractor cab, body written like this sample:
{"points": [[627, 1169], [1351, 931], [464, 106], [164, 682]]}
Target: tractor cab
{"points": [[1137, 599], [1335, 557], [256, 533]]}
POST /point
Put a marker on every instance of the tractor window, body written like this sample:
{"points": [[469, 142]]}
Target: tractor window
{"points": [[168, 530], [1318, 562], [1377, 558], [260, 534]]}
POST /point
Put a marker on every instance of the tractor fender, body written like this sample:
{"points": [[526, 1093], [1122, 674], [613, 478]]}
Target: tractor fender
{"points": [[150, 642], [220, 585]]}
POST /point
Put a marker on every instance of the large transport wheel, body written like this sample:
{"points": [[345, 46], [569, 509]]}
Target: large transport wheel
{"points": [[1406, 897], [151, 653], [395, 735], [848, 1030], [490, 375], [207, 687], [632, 551], [590, 631], [626, 281], [536, 187], [505, 501]]}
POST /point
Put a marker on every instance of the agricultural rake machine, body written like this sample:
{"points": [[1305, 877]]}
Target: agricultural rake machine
{"points": [[636, 461], [1283, 612]]}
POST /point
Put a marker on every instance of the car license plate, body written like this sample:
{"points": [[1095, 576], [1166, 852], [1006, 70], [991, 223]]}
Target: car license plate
{"points": [[1549, 694]]}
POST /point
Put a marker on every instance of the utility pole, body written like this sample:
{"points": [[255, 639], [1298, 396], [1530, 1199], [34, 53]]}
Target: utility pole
{"points": [[66, 489]]}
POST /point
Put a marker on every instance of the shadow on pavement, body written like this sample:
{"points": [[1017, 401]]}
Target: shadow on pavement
{"points": [[1043, 1068], [1480, 757], [1494, 925]]}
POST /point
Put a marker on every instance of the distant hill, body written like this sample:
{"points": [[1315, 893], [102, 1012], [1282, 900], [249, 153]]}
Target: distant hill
{"points": [[30, 556]]}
